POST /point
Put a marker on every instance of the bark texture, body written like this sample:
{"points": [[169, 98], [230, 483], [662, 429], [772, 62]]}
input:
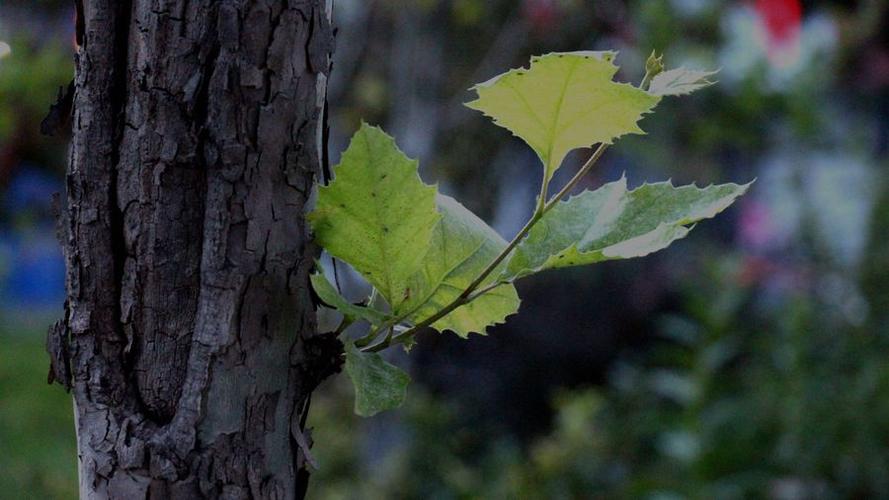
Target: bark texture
{"points": [[189, 339]]}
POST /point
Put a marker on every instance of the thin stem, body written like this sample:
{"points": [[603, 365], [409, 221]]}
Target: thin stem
{"points": [[410, 332], [538, 214], [503, 254], [344, 323], [541, 199], [367, 339], [577, 177], [463, 298]]}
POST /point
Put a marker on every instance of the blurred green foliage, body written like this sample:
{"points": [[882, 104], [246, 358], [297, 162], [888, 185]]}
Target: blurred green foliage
{"points": [[732, 402], [30, 78], [37, 446]]}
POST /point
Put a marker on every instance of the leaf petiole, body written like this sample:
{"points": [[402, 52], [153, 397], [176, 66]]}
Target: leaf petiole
{"points": [[345, 323], [367, 339]]}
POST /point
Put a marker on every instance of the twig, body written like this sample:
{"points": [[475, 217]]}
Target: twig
{"points": [[467, 295]]}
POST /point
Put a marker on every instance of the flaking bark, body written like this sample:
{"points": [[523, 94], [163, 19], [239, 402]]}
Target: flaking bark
{"points": [[189, 338]]}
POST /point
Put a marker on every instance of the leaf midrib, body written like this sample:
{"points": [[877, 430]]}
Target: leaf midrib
{"points": [[387, 267], [550, 169]]}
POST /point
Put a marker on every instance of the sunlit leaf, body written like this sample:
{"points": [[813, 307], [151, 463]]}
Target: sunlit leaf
{"points": [[377, 215], [562, 102], [379, 385], [614, 223]]}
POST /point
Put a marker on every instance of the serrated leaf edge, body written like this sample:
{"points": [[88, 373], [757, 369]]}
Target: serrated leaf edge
{"points": [[680, 223], [608, 56]]}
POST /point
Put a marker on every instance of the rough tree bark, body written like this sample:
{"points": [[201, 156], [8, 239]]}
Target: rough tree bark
{"points": [[189, 338]]}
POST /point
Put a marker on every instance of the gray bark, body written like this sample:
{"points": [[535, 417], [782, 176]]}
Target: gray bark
{"points": [[189, 338]]}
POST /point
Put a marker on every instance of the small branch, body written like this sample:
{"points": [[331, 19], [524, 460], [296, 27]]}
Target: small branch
{"points": [[467, 296], [410, 332], [542, 208]]}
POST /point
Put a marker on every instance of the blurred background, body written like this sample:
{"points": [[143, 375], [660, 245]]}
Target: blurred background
{"points": [[750, 360]]}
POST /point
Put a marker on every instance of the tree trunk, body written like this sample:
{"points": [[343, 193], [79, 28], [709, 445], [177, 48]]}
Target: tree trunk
{"points": [[189, 337]]}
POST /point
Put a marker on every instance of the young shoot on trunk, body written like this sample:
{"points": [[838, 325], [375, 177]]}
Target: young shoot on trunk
{"points": [[433, 263]]}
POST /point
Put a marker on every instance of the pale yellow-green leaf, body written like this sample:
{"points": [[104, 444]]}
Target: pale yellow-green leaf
{"points": [[680, 81], [377, 215], [564, 101], [462, 246], [614, 223]]}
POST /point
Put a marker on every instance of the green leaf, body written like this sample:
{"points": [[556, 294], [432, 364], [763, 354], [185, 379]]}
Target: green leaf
{"points": [[680, 81], [327, 293], [4, 50], [562, 102], [462, 246], [379, 386], [377, 215], [613, 223]]}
